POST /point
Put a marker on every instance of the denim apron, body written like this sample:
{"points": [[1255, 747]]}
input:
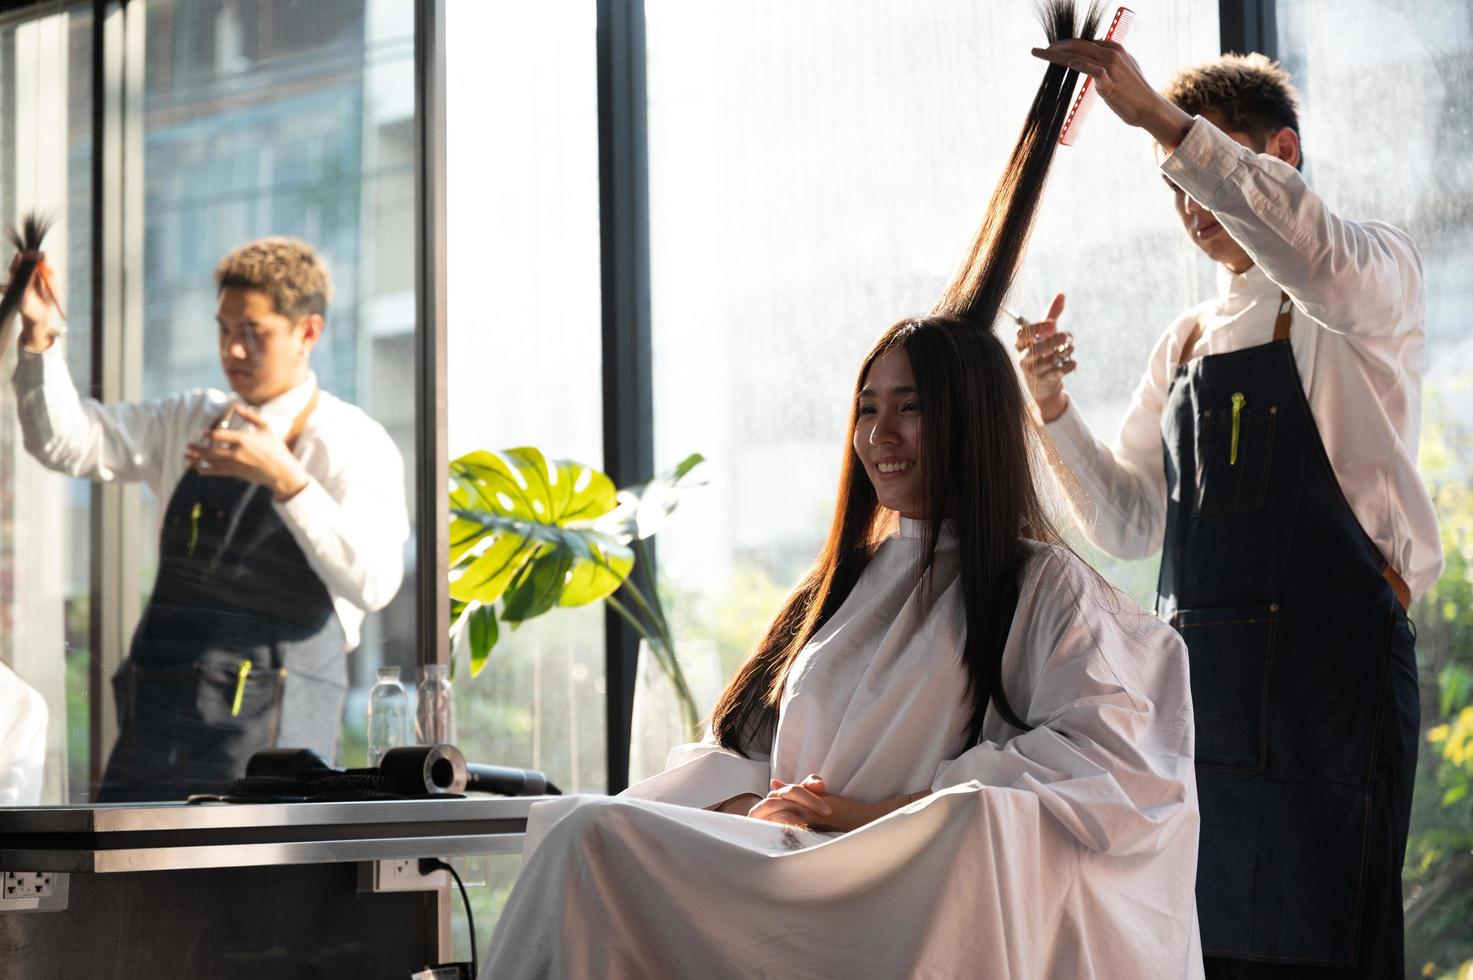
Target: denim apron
{"points": [[239, 648], [1304, 680]]}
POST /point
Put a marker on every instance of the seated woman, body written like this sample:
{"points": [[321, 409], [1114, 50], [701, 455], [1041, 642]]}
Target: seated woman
{"points": [[956, 752]]}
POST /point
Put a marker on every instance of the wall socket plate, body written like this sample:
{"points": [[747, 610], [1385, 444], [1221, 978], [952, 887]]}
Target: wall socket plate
{"points": [[399, 875], [34, 891]]}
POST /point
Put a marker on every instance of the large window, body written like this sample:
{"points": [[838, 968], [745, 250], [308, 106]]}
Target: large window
{"points": [[1403, 153], [524, 366], [524, 341], [815, 177]]}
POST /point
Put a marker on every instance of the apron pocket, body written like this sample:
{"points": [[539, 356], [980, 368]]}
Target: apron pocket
{"points": [[1231, 652], [1233, 459], [232, 700], [1330, 699]]}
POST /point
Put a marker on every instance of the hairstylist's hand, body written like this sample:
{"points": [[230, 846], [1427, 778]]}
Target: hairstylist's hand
{"points": [[256, 454], [1122, 86], [1047, 355], [37, 308]]}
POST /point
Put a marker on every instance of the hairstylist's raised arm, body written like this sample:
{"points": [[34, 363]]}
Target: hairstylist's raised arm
{"points": [[1121, 86]]}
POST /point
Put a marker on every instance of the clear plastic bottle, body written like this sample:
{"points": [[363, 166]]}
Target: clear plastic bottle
{"points": [[434, 711], [388, 714]]}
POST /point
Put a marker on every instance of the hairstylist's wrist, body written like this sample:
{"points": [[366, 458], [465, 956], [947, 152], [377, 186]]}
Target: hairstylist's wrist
{"points": [[1052, 407], [38, 335], [290, 481], [1168, 124]]}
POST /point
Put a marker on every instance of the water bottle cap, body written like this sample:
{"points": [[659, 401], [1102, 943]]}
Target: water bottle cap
{"points": [[388, 673], [435, 670]]}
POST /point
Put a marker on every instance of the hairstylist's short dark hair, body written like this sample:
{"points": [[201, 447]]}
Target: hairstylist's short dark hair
{"points": [[288, 270], [1251, 93]]}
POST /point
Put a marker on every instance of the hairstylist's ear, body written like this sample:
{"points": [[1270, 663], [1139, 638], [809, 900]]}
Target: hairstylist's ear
{"points": [[1285, 145], [312, 325]]}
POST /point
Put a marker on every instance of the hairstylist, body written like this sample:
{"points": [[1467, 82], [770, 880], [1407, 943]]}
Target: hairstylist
{"points": [[1293, 525], [285, 522]]}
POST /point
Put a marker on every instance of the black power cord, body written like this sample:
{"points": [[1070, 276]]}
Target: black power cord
{"points": [[428, 865]]}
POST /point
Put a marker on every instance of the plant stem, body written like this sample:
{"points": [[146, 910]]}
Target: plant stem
{"points": [[663, 646], [658, 608]]}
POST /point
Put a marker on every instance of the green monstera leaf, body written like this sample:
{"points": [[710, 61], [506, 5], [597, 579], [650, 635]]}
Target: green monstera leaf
{"points": [[643, 510], [523, 534], [528, 535]]}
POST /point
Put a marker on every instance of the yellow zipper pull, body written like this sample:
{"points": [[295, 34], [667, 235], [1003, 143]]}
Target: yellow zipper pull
{"points": [[1238, 401], [240, 682], [194, 514]]}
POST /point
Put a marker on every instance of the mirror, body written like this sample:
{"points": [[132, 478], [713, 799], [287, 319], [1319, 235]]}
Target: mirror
{"points": [[167, 611]]}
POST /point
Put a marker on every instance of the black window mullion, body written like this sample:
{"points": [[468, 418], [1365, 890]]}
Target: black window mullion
{"points": [[1248, 25], [628, 387]]}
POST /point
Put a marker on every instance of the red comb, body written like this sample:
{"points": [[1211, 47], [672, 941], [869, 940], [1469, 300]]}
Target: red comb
{"points": [[44, 285], [1119, 29]]}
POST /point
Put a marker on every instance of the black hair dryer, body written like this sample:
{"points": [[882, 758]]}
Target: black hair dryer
{"points": [[437, 769], [508, 781]]}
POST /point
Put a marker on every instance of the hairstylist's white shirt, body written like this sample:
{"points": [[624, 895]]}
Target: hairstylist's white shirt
{"points": [[350, 520], [1358, 339]]}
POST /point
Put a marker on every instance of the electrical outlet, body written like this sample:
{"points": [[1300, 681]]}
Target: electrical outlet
{"points": [[33, 891], [399, 875]]}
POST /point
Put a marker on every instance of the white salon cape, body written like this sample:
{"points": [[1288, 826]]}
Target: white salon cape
{"points": [[22, 740], [350, 520], [1068, 851], [1359, 340]]}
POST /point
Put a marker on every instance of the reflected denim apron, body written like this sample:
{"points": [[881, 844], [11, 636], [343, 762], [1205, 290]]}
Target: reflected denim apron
{"points": [[1304, 679], [238, 650]]}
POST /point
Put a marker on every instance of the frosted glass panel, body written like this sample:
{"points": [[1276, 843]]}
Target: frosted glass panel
{"points": [[816, 172], [525, 335]]}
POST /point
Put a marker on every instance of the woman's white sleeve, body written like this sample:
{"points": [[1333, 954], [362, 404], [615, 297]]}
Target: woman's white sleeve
{"points": [[700, 774], [1110, 754]]}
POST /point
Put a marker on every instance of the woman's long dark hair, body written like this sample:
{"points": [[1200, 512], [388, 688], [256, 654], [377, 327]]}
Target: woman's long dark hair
{"points": [[974, 421]]}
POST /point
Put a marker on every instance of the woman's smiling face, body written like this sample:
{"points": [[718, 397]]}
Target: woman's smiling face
{"points": [[887, 433]]}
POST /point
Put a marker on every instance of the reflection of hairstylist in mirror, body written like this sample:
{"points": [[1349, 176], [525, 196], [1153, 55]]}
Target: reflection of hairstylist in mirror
{"points": [[1293, 525], [277, 537]]}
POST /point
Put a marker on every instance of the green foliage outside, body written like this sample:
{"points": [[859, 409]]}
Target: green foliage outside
{"points": [[1438, 877]]}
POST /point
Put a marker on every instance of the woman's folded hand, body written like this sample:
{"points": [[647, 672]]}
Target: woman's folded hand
{"points": [[809, 804]]}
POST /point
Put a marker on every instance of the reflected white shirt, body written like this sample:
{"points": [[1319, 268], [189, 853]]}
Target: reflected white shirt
{"points": [[22, 740], [350, 520], [1358, 339]]}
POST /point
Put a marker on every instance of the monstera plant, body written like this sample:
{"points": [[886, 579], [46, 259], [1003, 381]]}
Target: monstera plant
{"points": [[529, 534]]}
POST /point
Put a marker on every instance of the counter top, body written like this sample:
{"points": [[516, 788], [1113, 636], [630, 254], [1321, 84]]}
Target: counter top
{"points": [[110, 838]]}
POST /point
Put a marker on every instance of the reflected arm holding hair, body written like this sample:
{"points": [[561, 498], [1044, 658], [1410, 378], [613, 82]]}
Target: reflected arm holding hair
{"points": [[81, 437]]}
